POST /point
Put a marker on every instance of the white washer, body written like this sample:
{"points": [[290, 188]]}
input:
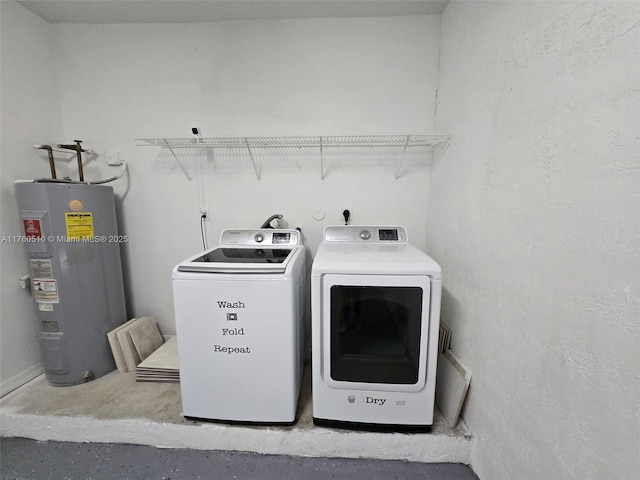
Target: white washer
{"points": [[375, 314], [238, 312]]}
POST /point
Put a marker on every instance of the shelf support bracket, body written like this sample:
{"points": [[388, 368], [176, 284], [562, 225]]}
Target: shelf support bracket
{"points": [[404, 151], [167, 146], [321, 161], [255, 167], [440, 148]]}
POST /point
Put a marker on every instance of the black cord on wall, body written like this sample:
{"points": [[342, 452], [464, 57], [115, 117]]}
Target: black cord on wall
{"points": [[203, 233]]}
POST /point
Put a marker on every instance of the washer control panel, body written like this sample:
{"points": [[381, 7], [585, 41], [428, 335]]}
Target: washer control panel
{"points": [[365, 234], [264, 237]]}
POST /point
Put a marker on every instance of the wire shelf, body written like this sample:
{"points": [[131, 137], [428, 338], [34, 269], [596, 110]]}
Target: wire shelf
{"points": [[434, 143]]}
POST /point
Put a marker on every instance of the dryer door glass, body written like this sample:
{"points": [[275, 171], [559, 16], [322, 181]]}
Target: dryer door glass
{"points": [[375, 333]]}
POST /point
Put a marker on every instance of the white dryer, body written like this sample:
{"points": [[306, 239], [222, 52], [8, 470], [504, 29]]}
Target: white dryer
{"points": [[238, 312], [375, 313]]}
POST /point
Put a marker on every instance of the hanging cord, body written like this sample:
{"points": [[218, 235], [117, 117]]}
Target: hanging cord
{"points": [[203, 233], [201, 199]]}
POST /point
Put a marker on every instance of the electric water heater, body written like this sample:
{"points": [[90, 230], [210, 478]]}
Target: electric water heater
{"points": [[73, 249]]}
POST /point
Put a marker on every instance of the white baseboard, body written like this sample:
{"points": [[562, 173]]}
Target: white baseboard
{"points": [[20, 379]]}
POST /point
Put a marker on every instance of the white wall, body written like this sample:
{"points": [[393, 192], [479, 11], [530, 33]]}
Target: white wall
{"points": [[110, 84], [259, 78], [29, 114], [533, 214]]}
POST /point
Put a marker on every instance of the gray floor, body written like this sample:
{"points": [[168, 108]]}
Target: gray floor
{"points": [[22, 459]]}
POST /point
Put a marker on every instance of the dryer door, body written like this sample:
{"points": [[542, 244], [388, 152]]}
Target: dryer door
{"points": [[375, 331]]}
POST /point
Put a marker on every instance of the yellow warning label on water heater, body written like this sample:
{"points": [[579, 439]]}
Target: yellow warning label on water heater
{"points": [[79, 225]]}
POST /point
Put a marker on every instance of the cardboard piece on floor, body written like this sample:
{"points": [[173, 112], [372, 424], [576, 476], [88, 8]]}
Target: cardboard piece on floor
{"points": [[146, 337], [444, 337], [162, 365], [157, 379], [119, 345], [116, 349], [164, 358], [131, 357], [452, 384]]}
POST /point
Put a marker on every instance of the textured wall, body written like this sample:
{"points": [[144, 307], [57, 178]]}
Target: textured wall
{"points": [[534, 218]]}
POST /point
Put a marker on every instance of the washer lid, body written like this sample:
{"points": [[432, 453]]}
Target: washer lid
{"points": [[260, 250], [239, 260]]}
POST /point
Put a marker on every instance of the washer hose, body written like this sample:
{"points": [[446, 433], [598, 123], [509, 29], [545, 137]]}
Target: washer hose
{"points": [[267, 222]]}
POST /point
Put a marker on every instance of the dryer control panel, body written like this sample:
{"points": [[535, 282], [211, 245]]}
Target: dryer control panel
{"points": [[365, 234]]}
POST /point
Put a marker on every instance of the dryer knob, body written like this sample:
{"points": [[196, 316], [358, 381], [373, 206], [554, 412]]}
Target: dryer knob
{"points": [[259, 237], [365, 234]]}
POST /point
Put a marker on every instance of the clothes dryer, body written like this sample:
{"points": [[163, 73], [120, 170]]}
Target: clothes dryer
{"points": [[238, 312], [375, 313]]}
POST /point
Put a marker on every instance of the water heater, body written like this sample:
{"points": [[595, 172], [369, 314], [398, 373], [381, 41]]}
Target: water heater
{"points": [[73, 249]]}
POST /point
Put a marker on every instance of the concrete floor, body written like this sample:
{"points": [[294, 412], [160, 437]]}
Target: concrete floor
{"points": [[117, 409]]}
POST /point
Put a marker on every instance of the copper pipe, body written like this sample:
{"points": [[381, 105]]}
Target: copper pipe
{"points": [[51, 162], [78, 149]]}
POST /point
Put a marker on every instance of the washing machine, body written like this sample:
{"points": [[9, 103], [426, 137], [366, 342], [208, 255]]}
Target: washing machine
{"points": [[375, 313], [239, 326]]}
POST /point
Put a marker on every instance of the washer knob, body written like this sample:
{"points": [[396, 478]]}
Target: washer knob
{"points": [[258, 237], [365, 234]]}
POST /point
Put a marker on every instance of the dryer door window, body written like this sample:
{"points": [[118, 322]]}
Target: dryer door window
{"points": [[377, 330]]}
